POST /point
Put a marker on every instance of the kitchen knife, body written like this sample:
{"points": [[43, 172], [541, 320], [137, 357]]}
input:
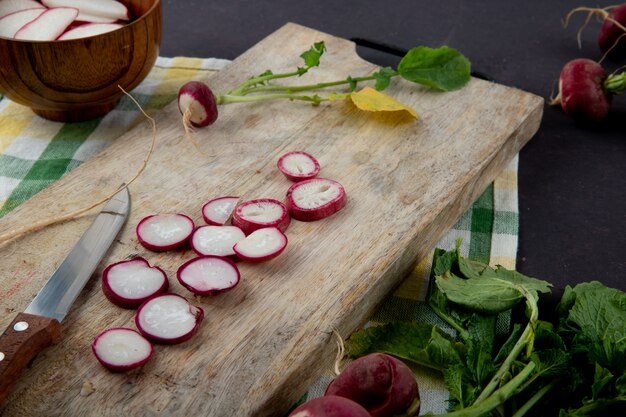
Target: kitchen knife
{"points": [[39, 325]]}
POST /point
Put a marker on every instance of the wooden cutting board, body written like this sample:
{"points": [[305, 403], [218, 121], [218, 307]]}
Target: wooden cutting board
{"points": [[262, 344]]}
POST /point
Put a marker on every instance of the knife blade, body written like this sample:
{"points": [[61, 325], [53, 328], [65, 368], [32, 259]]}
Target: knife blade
{"points": [[39, 325]]}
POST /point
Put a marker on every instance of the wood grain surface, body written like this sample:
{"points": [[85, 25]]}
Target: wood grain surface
{"points": [[262, 344]]}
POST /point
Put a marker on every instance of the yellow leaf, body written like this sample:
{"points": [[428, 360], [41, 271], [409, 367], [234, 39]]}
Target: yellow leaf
{"points": [[371, 100]]}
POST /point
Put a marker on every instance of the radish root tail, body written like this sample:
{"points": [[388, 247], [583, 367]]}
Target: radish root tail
{"points": [[602, 13], [340, 351], [22, 231], [189, 131]]}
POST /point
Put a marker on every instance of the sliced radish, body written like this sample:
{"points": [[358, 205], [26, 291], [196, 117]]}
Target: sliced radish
{"points": [[121, 349], [261, 245], [218, 211], [315, 199], [12, 6], [49, 26], [104, 8], [197, 104], [90, 29], [264, 212], [83, 18], [161, 232], [11, 23], [208, 275], [168, 318], [130, 283], [298, 166], [216, 240]]}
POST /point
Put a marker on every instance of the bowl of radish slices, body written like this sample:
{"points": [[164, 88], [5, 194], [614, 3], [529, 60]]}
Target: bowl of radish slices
{"points": [[67, 59]]}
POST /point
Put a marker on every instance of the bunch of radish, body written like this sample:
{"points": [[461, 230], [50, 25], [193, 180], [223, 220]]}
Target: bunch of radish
{"points": [[586, 89], [256, 233], [51, 20]]}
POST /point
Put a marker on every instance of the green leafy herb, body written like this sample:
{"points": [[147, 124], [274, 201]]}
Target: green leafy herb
{"points": [[443, 68], [383, 78]]}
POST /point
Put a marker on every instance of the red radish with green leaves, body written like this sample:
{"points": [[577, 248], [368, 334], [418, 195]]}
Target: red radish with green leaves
{"points": [[162, 232], [130, 283], [330, 406], [298, 166], [197, 104], [217, 212], [208, 275], [256, 214], [48, 26], [586, 90], [315, 199], [121, 349], [382, 384], [168, 318], [12, 22], [261, 245], [216, 240]]}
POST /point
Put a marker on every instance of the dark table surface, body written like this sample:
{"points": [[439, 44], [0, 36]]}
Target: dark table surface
{"points": [[572, 177]]}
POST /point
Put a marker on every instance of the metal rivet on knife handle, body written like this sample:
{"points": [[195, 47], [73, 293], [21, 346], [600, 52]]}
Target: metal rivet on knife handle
{"points": [[1, 356], [20, 326]]}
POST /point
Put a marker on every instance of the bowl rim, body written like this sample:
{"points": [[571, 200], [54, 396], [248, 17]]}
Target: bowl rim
{"points": [[128, 25]]}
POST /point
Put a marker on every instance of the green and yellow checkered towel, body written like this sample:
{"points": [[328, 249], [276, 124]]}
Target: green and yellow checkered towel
{"points": [[35, 152]]}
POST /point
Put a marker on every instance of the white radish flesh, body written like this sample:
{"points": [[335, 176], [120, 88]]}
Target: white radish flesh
{"points": [[197, 104], [49, 26], [208, 275], [298, 166], [162, 232], [218, 211], [12, 6], [11, 23], [90, 29], [129, 283], [168, 318], [264, 212], [216, 240], [121, 349], [261, 245], [315, 199], [104, 8], [83, 18]]}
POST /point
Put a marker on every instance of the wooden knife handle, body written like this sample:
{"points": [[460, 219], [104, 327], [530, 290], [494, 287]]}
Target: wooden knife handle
{"points": [[21, 342]]}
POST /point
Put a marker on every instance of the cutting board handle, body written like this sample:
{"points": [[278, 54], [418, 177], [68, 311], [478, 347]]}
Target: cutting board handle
{"points": [[25, 337]]}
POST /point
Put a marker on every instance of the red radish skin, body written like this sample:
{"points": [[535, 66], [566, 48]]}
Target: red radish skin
{"points": [[11, 23], [256, 214], [168, 319], [382, 384], [298, 166], [103, 8], [330, 406], [261, 245], [208, 275], [581, 92], [315, 199], [49, 26], [89, 29], [216, 240], [162, 232], [197, 104], [610, 34], [121, 349], [217, 212], [128, 284]]}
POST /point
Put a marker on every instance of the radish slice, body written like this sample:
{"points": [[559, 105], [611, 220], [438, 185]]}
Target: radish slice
{"points": [[49, 26], [121, 349], [83, 18], [315, 199], [264, 212], [168, 318], [261, 245], [90, 29], [104, 8], [11, 23], [208, 275], [161, 232], [11, 6], [298, 166], [130, 283], [218, 211], [216, 240]]}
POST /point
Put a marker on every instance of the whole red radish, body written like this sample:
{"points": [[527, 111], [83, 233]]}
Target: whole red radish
{"points": [[581, 90], [382, 384], [330, 406], [197, 104], [613, 36]]}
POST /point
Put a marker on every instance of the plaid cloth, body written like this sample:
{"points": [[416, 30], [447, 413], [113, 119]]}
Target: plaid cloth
{"points": [[35, 152]]}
